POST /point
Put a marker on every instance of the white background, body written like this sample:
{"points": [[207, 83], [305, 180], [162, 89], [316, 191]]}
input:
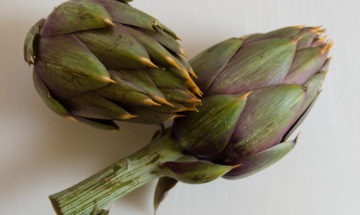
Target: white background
{"points": [[42, 153]]}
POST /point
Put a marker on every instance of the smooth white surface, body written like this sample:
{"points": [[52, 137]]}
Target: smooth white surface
{"points": [[41, 153]]}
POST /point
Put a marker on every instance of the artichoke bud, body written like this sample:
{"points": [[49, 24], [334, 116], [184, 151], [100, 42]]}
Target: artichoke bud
{"points": [[284, 71], [107, 51], [194, 172]]}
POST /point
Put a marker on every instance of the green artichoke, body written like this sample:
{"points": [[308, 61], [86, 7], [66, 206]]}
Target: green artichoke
{"points": [[102, 60], [260, 89], [257, 90]]}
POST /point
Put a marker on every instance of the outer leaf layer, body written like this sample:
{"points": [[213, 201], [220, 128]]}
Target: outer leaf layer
{"points": [[284, 69], [256, 162], [208, 132], [265, 120], [45, 94], [194, 172], [113, 44], [73, 16], [209, 63], [260, 64], [68, 67], [32, 41]]}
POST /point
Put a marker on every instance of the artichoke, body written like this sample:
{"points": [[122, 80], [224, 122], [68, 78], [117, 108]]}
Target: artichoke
{"points": [[257, 90], [260, 89], [102, 60]]}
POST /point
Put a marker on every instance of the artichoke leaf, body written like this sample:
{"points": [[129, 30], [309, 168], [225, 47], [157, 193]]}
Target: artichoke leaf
{"points": [[32, 42], [257, 162], [265, 119], [164, 185], [126, 14], [217, 122], [209, 63], [194, 172], [69, 17], [93, 106], [108, 125], [307, 62], [69, 67], [259, 64], [112, 44], [45, 94]]}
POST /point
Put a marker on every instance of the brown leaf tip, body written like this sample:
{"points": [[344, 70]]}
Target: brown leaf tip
{"points": [[148, 62], [109, 22], [245, 95]]}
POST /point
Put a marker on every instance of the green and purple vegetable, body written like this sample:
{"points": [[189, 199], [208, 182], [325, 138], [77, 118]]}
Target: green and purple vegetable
{"points": [[98, 61], [257, 90]]}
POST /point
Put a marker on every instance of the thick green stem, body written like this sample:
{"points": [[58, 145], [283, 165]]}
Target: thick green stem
{"points": [[117, 180]]}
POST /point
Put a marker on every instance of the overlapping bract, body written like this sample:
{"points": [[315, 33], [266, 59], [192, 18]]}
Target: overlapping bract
{"points": [[258, 89], [102, 60]]}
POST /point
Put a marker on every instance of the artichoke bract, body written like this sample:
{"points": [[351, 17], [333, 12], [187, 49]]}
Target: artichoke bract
{"points": [[258, 89], [102, 60]]}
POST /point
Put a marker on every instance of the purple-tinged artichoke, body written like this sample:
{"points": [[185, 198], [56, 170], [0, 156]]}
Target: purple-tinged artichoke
{"points": [[257, 90], [102, 60]]}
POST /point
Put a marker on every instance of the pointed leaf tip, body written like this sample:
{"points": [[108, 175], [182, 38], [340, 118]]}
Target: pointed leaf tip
{"points": [[164, 185], [127, 116], [183, 53], [148, 62], [109, 22], [150, 102], [245, 95], [163, 101], [172, 62], [107, 80]]}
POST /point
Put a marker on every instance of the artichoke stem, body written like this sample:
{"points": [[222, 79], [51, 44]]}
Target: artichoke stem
{"points": [[117, 180]]}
